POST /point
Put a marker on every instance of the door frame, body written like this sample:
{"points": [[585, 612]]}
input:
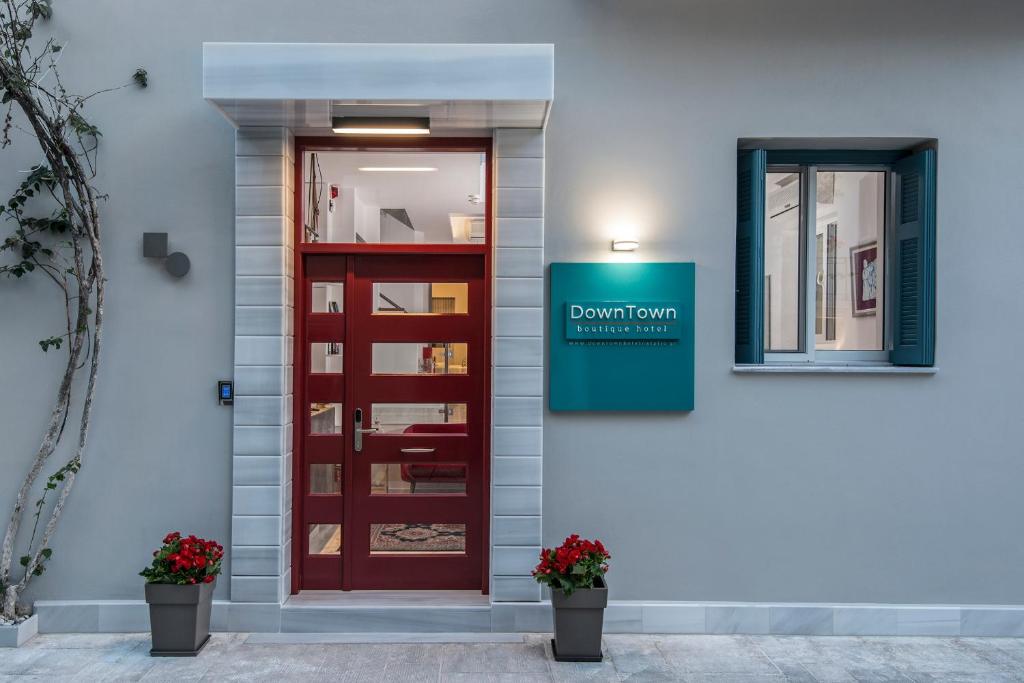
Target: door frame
{"points": [[486, 250]]}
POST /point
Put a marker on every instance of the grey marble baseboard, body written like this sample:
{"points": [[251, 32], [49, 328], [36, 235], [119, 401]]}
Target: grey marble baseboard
{"points": [[622, 616], [379, 638]]}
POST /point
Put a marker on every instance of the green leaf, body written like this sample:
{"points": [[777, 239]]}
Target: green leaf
{"points": [[55, 342], [24, 559], [40, 9], [141, 77], [46, 553], [83, 127]]}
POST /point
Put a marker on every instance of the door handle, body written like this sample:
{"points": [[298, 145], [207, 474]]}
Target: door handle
{"points": [[357, 433], [412, 451]]}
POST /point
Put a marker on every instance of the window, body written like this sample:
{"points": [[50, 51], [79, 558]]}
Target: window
{"points": [[394, 197], [835, 257]]}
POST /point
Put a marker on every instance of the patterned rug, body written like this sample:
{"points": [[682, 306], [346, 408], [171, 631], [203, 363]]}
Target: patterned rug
{"points": [[421, 538]]}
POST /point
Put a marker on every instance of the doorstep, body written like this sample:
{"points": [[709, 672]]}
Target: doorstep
{"points": [[386, 612]]}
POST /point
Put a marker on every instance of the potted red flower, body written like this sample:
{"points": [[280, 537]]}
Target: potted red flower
{"points": [[575, 573], [179, 590]]}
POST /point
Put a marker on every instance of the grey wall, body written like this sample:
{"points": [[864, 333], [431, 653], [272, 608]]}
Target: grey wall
{"points": [[772, 489]]}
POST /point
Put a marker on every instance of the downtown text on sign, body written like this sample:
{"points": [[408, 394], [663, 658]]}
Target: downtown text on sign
{"points": [[622, 320]]}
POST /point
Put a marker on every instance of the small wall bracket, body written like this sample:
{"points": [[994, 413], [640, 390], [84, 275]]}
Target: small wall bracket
{"points": [[154, 245]]}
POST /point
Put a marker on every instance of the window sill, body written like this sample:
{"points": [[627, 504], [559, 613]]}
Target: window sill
{"points": [[810, 369]]}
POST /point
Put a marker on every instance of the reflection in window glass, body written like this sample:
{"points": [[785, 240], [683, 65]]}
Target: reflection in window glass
{"points": [[412, 537], [419, 358], [420, 298], [849, 247], [325, 479], [325, 418], [395, 197], [324, 539], [417, 477], [325, 357], [782, 262], [419, 418], [328, 297]]}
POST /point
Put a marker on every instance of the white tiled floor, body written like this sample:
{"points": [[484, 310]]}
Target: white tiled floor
{"points": [[508, 657]]}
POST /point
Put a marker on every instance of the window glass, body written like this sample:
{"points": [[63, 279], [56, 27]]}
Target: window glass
{"points": [[419, 418], [325, 479], [325, 418], [328, 297], [417, 478], [420, 298], [782, 271], [394, 197], [412, 537], [325, 357], [420, 358], [848, 260], [324, 539]]}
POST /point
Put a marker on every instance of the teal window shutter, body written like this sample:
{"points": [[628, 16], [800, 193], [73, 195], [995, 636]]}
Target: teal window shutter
{"points": [[750, 169], [913, 253]]}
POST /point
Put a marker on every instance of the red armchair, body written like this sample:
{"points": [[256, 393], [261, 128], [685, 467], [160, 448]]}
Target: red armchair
{"points": [[430, 473]]}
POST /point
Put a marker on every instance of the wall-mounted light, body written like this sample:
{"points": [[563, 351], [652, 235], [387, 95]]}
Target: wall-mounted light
{"points": [[397, 169], [370, 125], [625, 245], [154, 245]]}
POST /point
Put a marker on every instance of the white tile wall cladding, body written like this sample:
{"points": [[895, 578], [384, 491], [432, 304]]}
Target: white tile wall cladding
{"points": [[518, 411], [263, 346], [260, 526]]}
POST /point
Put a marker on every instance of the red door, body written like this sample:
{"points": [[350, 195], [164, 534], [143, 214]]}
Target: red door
{"points": [[396, 431]]}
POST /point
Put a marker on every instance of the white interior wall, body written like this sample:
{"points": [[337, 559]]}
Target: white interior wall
{"points": [[782, 264], [859, 212]]}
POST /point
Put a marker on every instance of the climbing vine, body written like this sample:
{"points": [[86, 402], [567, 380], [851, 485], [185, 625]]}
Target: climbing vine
{"points": [[55, 233]]}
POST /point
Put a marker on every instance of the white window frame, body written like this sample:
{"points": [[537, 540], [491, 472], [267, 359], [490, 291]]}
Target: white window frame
{"points": [[807, 354]]}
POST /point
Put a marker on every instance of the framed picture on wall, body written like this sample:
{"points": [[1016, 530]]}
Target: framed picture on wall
{"points": [[866, 276]]}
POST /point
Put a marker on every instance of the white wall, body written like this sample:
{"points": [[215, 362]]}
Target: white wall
{"points": [[767, 491]]}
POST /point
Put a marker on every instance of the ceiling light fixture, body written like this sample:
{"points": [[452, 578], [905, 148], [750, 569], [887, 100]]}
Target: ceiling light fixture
{"points": [[397, 169], [625, 245], [370, 125]]}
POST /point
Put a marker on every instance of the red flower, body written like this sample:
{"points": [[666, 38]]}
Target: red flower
{"points": [[574, 564], [187, 560]]}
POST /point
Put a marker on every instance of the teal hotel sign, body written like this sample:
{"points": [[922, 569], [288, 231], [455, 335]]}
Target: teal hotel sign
{"points": [[621, 337]]}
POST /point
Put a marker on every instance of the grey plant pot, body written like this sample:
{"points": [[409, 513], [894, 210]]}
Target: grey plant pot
{"points": [[579, 623], [179, 617], [16, 635]]}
